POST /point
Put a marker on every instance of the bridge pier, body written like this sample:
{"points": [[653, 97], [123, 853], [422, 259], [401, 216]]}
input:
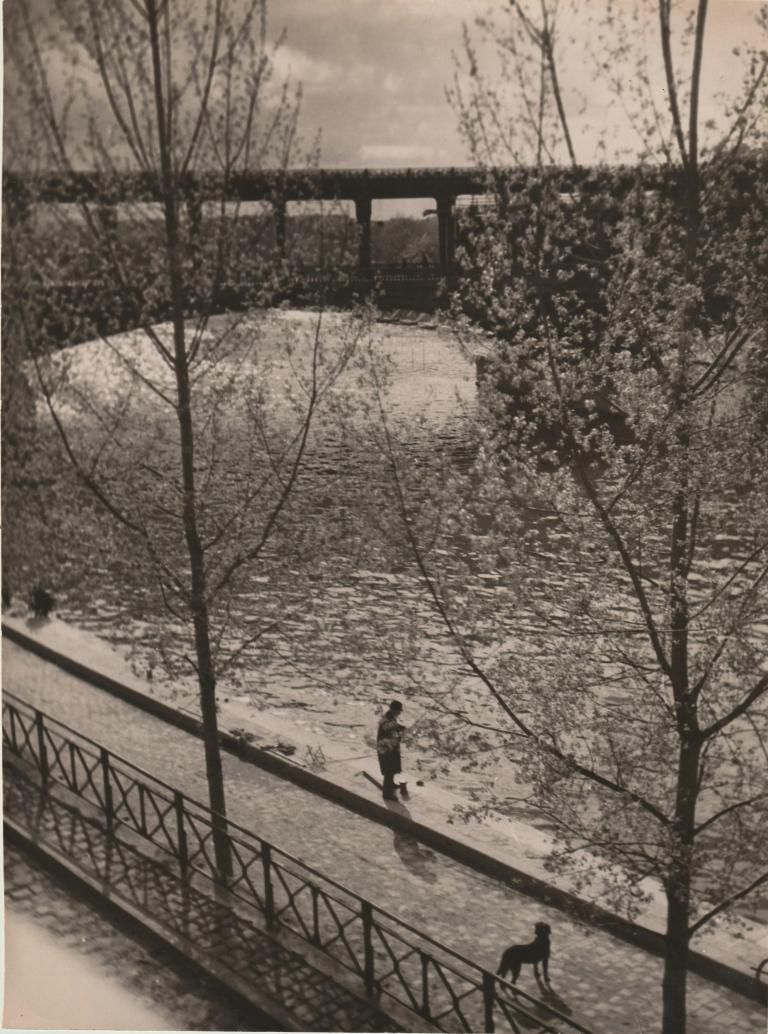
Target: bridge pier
{"points": [[195, 216], [279, 212], [445, 229], [16, 209], [363, 215], [106, 216]]}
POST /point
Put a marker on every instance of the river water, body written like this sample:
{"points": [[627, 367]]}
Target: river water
{"points": [[343, 650], [356, 627]]}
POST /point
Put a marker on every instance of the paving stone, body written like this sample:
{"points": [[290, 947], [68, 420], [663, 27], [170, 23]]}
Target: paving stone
{"points": [[116, 951], [19, 893], [608, 985], [313, 999]]}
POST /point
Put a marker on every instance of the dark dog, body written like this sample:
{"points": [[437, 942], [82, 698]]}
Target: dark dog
{"points": [[531, 954]]}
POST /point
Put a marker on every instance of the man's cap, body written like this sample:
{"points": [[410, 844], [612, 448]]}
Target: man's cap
{"points": [[395, 706]]}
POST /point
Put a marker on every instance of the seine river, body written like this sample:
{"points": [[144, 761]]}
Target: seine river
{"points": [[354, 632], [338, 657]]}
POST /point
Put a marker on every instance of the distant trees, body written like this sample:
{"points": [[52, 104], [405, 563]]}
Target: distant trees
{"points": [[602, 572], [404, 239], [178, 432], [74, 301]]}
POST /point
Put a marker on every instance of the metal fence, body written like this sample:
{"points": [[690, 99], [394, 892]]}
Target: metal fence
{"points": [[390, 958], [412, 272]]}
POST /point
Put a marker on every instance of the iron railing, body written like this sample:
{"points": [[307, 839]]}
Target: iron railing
{"points": [[382, 272], [390, 958]]}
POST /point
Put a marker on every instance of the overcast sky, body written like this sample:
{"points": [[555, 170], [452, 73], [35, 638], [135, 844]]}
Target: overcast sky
{"points": [[374, 75], [375, 72]]}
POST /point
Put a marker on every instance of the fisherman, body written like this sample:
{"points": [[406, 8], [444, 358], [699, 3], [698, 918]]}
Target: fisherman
{"points": [[388, 747]]}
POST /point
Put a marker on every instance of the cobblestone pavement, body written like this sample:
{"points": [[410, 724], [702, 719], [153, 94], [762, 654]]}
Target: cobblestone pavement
{"points": [[144, 969], [313, 999], [606, 984]]}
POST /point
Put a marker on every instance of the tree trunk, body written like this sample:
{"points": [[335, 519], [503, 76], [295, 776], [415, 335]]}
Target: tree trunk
{"points": [[198, 595], [678, 882], [207, 684], [678, 890], [674, 984]]}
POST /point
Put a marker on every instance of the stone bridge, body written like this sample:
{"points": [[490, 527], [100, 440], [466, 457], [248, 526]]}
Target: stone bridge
{"points": [[360, 186], [414, 286]]}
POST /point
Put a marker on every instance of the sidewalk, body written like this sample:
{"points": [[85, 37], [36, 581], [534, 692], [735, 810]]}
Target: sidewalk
{"points": [[41, 975], [608, 985], [55, 938], [285, 990]]}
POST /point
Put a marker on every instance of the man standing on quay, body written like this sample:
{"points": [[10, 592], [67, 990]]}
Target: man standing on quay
{"points": [[388, 746]]}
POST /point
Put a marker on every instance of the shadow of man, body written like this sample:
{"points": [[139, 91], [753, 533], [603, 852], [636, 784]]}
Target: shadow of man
{"points": [[37, 621], [415, 858]]}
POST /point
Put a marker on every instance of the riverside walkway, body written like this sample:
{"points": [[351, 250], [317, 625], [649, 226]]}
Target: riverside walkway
{"points": [[288, 992], [70, 965], [603, 983]]}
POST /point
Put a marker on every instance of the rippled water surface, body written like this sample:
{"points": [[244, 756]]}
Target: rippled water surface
{"points": [[336, 682], [363, 631]]}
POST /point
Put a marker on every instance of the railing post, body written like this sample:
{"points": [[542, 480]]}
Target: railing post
{"points": [[489, 999], [14, 740], [108, 802], [368, 974], [315, 916], [181, 833], [142, 809], [425, 986], [41, 748], [269, 900]]}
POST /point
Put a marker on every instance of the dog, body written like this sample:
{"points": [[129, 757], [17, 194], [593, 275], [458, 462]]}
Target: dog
{"points": [[531, 954]]}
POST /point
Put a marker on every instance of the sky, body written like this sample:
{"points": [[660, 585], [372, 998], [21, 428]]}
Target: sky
{"points": [[374, 74], [375, 71]]}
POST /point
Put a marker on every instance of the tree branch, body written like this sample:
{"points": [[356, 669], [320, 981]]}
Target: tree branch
{"points": [[728, 811], [666, 47], [698, 48], [251, 554], [727, 902], [547, 747], [757, 691]]}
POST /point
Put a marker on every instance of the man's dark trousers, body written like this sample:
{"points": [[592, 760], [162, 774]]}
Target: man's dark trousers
{"points": [[389, 763]]}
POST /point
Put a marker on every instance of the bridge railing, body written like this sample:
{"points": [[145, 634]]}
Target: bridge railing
{"points": [[409, 272], [398, 271], [387, 956]]}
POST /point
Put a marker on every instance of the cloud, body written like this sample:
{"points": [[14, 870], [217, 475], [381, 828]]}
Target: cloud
{"points": [[303, 68], [396, 154], [392, 83]]}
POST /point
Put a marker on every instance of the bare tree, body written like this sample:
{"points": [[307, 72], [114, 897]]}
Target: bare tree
{"points": [[178, 431]]}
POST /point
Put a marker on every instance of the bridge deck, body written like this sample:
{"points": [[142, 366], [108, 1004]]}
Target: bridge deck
{"points": [[324, 184]]}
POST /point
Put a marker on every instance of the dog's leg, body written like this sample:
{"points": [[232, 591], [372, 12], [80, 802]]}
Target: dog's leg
{"points": [[545, 967]]}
